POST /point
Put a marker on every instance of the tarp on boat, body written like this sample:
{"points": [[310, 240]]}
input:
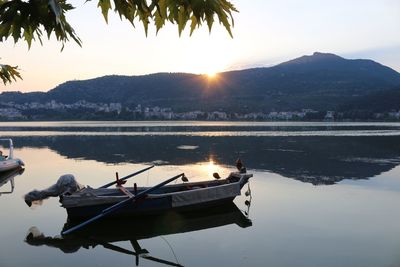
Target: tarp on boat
{"points": [[203, 195]]}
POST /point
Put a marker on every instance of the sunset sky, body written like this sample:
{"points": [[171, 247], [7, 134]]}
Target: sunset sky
{"points": [[266, 32]]}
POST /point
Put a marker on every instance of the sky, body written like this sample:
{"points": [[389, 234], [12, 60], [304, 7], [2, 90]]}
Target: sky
{"points": [[266, 32]]}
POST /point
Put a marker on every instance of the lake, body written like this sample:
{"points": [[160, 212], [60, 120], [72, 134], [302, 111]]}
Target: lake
{"points": [[323, 193]]}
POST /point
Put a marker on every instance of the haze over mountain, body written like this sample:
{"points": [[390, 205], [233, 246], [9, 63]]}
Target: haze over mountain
{"points": [[320, 81]]}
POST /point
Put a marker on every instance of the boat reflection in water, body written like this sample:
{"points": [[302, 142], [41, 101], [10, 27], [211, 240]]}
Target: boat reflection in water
{"points": [[105, 232], [9, 176]]}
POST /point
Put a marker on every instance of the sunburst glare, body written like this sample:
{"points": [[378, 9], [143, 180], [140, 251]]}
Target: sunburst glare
{"points": [[211, 74]]}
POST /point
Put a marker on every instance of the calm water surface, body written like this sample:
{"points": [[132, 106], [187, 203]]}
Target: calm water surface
{"points": [[323, 194]]}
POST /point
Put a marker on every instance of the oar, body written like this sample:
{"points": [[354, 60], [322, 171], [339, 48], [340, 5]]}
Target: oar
{"points": [[121, 204], [127, 177]]}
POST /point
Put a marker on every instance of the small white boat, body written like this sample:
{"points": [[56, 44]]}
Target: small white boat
{"points": [[9, 162]]}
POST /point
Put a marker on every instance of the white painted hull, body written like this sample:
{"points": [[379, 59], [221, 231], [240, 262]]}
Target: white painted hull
{"points": [[10, 164]]}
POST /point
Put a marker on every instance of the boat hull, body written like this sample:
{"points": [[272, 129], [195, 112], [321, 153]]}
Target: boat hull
{"points": [[10, 164]]}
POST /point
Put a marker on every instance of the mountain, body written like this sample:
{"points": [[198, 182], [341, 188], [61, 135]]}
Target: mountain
{"points": [[384, 100], [320, 81]]}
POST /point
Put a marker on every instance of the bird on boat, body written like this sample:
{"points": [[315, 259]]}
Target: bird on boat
{"points": [[239, 165]]}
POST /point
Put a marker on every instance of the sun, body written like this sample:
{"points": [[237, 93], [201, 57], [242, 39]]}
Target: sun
{"points": [[211, 74]]}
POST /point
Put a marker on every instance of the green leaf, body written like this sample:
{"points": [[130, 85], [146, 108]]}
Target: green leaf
{"points": [[105, 5], [181, 19], [9, 73], [16, 29], [193, 24], [28, 36]]}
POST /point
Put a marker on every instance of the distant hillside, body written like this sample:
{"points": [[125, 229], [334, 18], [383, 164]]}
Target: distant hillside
{"points": [[385, 100], [320, 81]]}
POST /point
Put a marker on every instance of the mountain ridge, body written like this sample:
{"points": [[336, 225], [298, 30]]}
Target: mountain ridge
{"points": [[318, 81]]}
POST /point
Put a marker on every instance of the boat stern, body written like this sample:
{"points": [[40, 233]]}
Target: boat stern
{"points": [[20, 162], [242, 178]]}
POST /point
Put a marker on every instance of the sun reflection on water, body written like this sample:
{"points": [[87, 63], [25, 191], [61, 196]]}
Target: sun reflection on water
{"points": [[211, 167]]}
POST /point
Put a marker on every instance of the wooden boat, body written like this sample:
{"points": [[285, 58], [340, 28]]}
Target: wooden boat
{"points": [[93, 204], [9, 162], [90, 202]]}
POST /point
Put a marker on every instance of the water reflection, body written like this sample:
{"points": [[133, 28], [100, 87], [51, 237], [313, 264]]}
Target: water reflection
{"points": [[294, 224], [9, 176], [313, 159], [107, 232], [194, 128]]}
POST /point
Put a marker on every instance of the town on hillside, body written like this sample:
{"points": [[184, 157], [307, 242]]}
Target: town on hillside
{"points": [[87, 110]]}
